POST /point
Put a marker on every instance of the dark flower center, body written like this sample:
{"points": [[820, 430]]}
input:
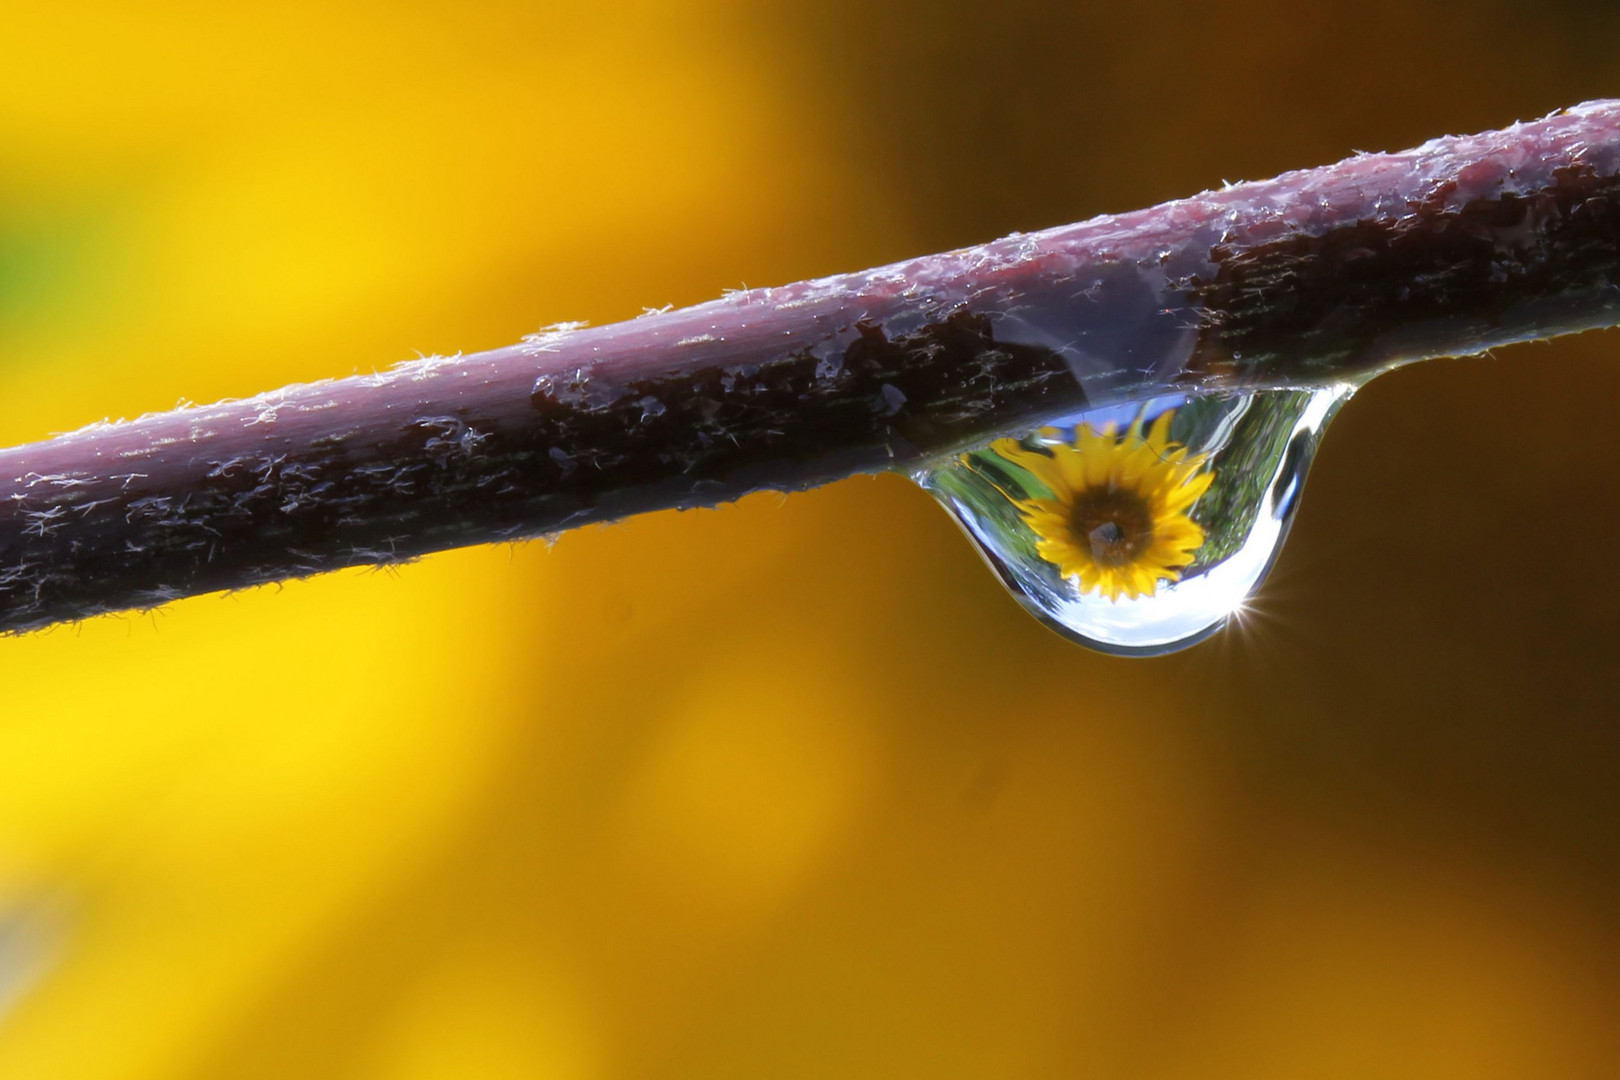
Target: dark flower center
{"points": [[1117, 525]]}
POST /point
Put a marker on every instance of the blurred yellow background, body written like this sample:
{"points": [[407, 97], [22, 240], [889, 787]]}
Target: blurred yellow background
{"points": [[790, 788]]}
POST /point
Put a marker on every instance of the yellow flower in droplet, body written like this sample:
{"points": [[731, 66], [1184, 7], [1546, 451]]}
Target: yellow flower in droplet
{"points": [[1118, 519]]}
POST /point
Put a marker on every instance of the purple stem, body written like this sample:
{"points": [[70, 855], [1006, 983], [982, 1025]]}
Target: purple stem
{"points": [[1327, 275]]}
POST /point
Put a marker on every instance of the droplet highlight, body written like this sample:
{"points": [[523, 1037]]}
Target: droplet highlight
{"points": [[1140, 529]]}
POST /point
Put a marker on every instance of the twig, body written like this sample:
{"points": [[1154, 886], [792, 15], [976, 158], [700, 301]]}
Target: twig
{"points": [[1321, 276]]}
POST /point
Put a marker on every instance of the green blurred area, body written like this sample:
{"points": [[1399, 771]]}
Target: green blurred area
{"points": [[790, 788]]}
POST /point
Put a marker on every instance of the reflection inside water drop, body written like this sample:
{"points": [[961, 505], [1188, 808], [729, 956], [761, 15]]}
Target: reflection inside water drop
{"points": [[1139, 529]]}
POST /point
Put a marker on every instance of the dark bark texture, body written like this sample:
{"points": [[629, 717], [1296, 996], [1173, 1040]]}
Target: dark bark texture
{"points": [[1328, 275]]}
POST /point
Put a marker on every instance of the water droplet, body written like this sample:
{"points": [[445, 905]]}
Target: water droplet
{"points": [[1139, 529]]}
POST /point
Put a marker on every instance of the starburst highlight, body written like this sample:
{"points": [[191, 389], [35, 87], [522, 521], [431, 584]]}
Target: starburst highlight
{"points": [[1118, 521]]}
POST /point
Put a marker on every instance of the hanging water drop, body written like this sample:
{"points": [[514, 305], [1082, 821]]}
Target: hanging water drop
{"points": [[1139, 529]]}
